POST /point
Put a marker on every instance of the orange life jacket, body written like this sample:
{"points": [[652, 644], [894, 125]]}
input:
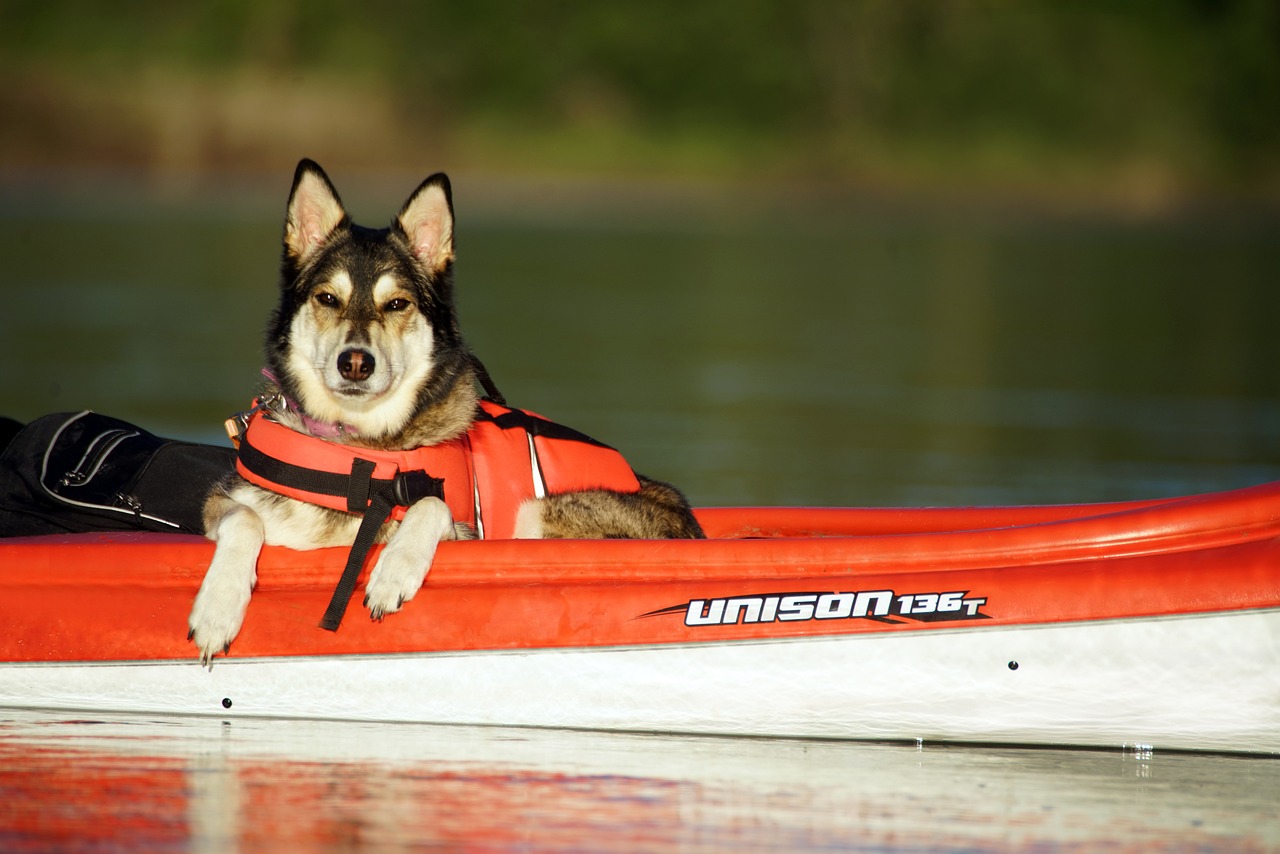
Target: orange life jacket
{"points": [[508, 456]]}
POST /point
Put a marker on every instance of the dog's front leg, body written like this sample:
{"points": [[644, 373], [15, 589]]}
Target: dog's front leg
{"points": [[404, 562], [220, 605]]}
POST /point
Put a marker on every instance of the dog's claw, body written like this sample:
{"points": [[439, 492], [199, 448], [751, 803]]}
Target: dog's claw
{"points": [[377, 614], [208, 652]]}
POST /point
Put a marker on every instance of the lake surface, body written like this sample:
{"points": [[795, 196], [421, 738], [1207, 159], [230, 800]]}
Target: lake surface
{"points": [[787, 351], [793, 350], [144, 784]]}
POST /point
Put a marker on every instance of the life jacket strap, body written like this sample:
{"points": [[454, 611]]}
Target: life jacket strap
{"points": [[356, 488], [359, 484], [375, 498], [490, 388], [375, 516]]}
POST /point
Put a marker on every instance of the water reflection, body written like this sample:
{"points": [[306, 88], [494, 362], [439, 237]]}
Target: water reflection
{"points": [[144, 784]]}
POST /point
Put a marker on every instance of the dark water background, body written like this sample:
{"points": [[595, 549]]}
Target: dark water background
{"points": [[787, 350], [777, 350]]}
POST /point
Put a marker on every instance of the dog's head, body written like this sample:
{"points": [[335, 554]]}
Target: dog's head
{"points": [[365, 333]]}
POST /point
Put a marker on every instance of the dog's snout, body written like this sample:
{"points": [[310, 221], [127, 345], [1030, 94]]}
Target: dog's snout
{"points": [[356, 365]]}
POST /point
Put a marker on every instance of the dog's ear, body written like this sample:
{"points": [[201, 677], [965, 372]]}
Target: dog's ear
{"points": [[426, 221], [314, 211]]}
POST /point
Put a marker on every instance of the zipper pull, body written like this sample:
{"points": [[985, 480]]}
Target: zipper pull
{"points": [[128, 502]]}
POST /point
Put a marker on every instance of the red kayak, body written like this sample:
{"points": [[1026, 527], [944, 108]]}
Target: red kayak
{"points": [[1148, 624]]}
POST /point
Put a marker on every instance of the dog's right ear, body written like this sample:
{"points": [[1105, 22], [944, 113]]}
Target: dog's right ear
{"points": [[314, 212], [426, 221]]}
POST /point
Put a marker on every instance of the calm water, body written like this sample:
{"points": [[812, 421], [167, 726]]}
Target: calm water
{"points": [[779, 352], [141, 784], [775, 354]]}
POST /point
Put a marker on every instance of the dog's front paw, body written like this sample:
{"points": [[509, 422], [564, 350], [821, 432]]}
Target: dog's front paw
{"points": [[217, 614], [395, 579], [391, 587], [403, 565]]}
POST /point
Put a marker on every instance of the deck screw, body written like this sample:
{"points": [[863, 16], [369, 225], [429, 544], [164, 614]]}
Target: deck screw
{"points": [[226, 702], [1013, 665]]}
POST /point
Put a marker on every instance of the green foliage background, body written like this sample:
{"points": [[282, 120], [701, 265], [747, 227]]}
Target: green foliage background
{"points": [[1146, 101]]}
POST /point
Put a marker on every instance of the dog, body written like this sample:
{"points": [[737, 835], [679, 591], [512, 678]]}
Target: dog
{"points": [[364, 352]]}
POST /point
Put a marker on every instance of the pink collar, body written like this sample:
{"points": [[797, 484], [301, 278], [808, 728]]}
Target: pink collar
{"points": [[319, 429]]}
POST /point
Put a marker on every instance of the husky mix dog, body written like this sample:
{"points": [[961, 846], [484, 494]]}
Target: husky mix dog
{"points": [[365, 337]]}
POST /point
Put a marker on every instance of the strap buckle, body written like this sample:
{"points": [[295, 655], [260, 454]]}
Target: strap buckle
{"points": [[409, 487], [237, 425]]}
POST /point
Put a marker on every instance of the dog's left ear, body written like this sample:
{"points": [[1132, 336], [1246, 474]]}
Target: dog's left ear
{"points": [[315, 211], [426, 221]]}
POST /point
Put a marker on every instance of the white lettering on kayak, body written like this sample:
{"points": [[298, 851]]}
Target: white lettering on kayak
{"points": [[880, 605]]}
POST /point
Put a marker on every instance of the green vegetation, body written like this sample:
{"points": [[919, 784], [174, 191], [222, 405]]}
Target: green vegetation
{"points": [[1145, 100]]}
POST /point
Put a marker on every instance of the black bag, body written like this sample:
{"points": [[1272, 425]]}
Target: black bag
{"points": [[81, 472]]}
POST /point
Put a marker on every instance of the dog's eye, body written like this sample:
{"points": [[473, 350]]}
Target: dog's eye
{"points": [[397, 304], [327, 299]]}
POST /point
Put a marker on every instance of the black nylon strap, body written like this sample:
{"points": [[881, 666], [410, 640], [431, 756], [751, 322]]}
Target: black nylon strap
{"points": [[406, 487], [490, 389], [535, 426], [364, 493], [277, 471], [374, 518], [359, 484]]}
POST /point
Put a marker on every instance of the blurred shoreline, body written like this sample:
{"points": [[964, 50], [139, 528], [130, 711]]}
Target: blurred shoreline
{"points": [[601, 201], [1136, 111]]}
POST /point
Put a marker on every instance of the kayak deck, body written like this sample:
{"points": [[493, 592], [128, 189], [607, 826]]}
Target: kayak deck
{"points": [[126, 596], [1139, 623]]}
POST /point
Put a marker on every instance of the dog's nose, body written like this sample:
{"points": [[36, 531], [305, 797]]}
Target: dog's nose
{"points": [[356, 365]]}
